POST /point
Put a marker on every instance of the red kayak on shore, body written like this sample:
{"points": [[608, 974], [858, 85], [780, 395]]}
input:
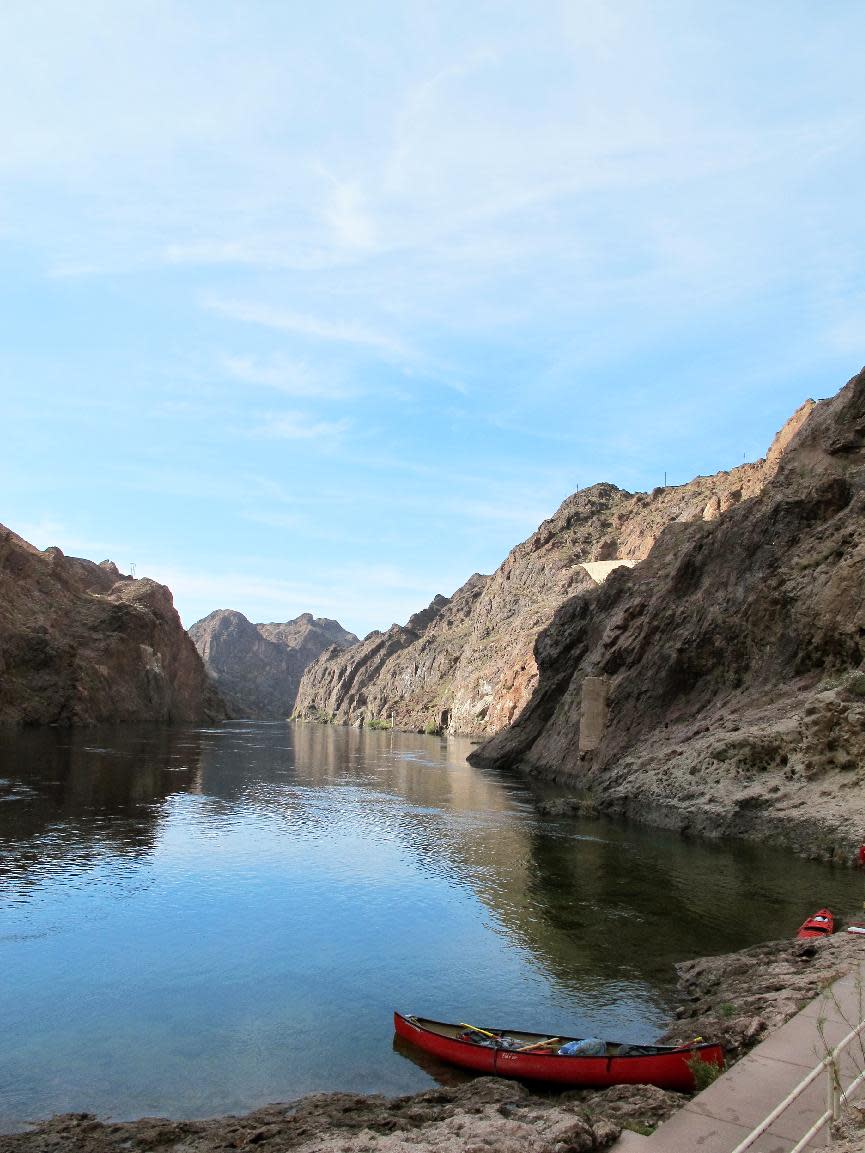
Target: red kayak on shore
{"points": [[821, 924], [537, 1057]]}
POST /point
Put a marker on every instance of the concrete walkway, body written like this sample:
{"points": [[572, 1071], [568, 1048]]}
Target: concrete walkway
{"points": [[716, 1120]]}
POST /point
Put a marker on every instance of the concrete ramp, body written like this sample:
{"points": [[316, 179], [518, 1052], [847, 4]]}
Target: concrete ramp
{"points": [[599, 570], [719, 1118]]}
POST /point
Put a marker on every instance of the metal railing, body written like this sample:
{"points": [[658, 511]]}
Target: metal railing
{"points": [[835, 1096]]}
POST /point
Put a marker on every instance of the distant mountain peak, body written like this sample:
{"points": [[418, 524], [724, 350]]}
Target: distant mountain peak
{"points": [[257, 667]]}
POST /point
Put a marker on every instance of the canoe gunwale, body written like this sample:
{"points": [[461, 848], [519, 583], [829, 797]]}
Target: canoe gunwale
{"points": [[656, 1050]]}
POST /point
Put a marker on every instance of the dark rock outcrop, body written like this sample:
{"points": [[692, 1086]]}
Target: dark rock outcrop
{"points": [[730, 662], [468, 664], [257, 668], [81, 643]]}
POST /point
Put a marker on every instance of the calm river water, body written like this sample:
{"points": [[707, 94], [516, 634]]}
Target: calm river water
{"points": [[194, 922]]}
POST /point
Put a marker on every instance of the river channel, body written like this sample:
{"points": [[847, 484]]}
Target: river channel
{"points": [[201, 921]]}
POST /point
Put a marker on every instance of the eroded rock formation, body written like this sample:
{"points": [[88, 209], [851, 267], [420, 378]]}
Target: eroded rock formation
{"points": [[732, 660], [257, 668], [81, 643], [467, 664]]}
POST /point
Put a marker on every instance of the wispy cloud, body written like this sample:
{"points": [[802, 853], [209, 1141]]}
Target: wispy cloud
{"points": [[300, 426], [292, 377], [591, 225], [846, 329], [275, 519], [276, 249], [48, 533], [347, 215], [312, 327]]}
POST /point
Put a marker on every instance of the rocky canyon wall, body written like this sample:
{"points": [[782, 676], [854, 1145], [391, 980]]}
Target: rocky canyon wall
{"points": [[467, 664], [81, 643], [730, 660]]}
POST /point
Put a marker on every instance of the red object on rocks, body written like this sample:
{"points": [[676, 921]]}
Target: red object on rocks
{"points": [[862, 854], [821, 924]]}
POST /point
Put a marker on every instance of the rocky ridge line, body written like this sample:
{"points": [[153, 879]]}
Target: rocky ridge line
{"points": [[466, 664]]}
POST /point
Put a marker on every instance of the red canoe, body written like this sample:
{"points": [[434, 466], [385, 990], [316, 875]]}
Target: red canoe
{"points": [[820, 925], [535, 1057]]}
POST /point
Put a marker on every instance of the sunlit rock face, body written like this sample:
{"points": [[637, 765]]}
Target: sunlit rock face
{"points": [[82, 643], [732, 657], [467, 664], [400, 676], [257, 667]]}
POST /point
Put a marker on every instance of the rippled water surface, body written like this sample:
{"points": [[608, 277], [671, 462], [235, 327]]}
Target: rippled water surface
{"points": [[201, 921]]}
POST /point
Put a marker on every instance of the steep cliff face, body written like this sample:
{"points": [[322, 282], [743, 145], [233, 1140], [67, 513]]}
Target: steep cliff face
{"points": [[81, 643], [470, 666], [404, 673], [257, 668], [718, 686]]}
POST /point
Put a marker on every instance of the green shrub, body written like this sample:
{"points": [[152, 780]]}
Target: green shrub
{"points": [[320, 717], [704, 1072]]}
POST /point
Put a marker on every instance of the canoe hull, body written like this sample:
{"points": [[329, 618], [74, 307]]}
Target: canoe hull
{"points": [[821, 924], [667, 1070]]}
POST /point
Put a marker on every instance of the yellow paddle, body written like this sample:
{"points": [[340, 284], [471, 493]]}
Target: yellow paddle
{"points": [[537, 1044], [495, 1037], [475, 1029]]}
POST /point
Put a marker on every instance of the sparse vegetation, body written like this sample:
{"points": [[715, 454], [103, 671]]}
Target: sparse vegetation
{"points": [[320, 717], [378, 723], [704, 1072], [639, 1127]]}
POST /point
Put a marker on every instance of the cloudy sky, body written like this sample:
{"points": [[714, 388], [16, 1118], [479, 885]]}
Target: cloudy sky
{"points": [[325, 306]]}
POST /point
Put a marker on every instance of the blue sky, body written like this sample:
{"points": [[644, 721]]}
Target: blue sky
{"points": [[325, 307]]}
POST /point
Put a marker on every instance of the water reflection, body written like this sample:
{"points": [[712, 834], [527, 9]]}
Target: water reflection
{"points": [[451, 1076], [181, 910], [71, 798]]}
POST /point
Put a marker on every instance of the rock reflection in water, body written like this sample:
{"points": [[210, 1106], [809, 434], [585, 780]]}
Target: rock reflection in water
{"points": [[69, 798]]}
